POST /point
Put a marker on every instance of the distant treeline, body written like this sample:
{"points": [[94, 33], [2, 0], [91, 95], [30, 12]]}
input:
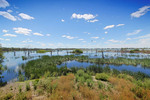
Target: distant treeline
{"points": [[123, 50]]}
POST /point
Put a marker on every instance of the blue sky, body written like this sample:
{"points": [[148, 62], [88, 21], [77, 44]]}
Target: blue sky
{"points": [[75, 23]]}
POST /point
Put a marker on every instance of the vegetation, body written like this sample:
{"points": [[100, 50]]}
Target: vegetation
{"points": [[134, 51], [95, 82], [81, 85], [77, 51], [1, 67], [41, 51], [102, 76]]}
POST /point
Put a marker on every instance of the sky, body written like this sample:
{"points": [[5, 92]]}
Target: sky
{"points": [[75, 23]]}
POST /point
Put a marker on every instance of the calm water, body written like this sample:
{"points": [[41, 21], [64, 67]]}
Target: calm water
{"points": [[13, 60]]}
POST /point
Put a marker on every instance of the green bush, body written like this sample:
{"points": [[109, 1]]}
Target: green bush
{"points": [[89, 83], [27, 86], [41, 51], [100, 85], [80, 72], [21, 78], [77, 51], [102, 76]]}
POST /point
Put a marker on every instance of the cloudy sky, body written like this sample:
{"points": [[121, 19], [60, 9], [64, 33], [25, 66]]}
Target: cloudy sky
{"points": [[75, 23]]}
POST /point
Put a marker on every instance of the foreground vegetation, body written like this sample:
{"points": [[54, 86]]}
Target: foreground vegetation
{"points": [[79, 85]]}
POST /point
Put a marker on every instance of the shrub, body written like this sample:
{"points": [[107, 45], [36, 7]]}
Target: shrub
{"points": [[35, 83], [20, 88], [100, 85], [8, 96], [41, 51], [77, 51], [102, 76], [80, 72], [21, 78], [27, 86], [89, 83]]}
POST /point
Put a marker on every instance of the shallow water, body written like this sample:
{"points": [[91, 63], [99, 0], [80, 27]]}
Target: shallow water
{"points": [[14, 60]]}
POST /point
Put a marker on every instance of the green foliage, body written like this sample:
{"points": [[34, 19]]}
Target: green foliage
{"points": [[21, 78], [135, 50], [115, 72], [20, 88], [36, 68], [83, 77], [77, 51], [102, 76], [8, 96], [21, 96], [80, 72], [100, 85], [106, 69], [24, 58], [35, 83], [27, 87], [41, 51], [89, 82]]}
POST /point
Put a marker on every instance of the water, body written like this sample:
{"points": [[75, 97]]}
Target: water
{"points": [[138, 68], [14, 60]]}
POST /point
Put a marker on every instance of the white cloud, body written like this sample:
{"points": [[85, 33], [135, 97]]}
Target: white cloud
{"points": [[120, 25], [106, 32], [87, 33], [4, 31], [5, 39], [3, 4], [68, 37], [48, 34], [144, 36], [114, 41], [84, 16], [25, 16], [80, 39], [142, 11], [39, 34], [92, 21], [10, 35], [9, 11], [134, 32], [83, 41], [63, 20], [103, 38], [7, 15], [21, 30], [95, 37], [109, 26]]}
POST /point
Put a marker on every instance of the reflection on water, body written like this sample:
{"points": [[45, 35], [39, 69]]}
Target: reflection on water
{"points": [[13, 59]]}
